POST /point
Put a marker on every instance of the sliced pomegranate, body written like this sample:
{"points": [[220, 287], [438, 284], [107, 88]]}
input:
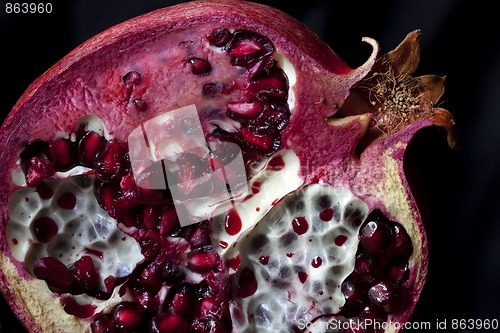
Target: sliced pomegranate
{"points": [[227, 172]]}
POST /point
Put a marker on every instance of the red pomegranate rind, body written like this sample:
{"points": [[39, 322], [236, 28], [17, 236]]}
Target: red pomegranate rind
{"points": [[124, 92]]}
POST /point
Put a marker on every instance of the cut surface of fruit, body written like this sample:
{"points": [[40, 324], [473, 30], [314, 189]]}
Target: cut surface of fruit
{"points": [[226, 172]]}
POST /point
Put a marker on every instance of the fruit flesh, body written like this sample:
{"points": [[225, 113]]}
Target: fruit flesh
{"points": [[378, 172]]}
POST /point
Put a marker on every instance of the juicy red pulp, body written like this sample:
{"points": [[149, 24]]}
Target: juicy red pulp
{"points": [[377, 287]]}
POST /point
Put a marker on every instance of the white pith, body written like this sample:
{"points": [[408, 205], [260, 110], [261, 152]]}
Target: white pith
{"points": [[86, 226], [274, 185], [281, 300]]}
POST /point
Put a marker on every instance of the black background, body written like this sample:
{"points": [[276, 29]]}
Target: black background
{"points": [[460, 39]]}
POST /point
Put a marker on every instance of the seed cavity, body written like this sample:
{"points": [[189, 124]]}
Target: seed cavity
{"points": [[306, 266], [200, 66]]}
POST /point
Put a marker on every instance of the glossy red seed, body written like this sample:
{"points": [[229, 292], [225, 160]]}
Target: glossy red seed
{"points": [[151, 277], [62, 152], [169, 323], [147, 300], [400, 246], [366, 268], [85, 276], [106, 196], [200, 66], [219, 37], [38, 168], [385, 295], [200, 236], [54, 272], [109, 164], [168, 220], [172, 273], [127, 316], [103, 324], [208, 306], [204, 261], [354, 297], [182, 302], [150, 243], [375, 237], [150, 216], [398, 272], [89, 146]]}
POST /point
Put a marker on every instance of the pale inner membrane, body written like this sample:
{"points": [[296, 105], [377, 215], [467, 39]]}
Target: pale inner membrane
{"points": [[295, 259], [86, 229]]}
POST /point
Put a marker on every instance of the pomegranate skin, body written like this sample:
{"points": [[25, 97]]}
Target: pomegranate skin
{"points": [[376, 175]]}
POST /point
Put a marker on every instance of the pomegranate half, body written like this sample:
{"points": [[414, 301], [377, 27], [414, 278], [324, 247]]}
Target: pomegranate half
{"points": [[215, 167]]}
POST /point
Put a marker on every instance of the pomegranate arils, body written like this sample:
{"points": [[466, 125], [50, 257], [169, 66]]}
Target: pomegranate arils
{"points": [[200, 66], [399, 272], [89, 146], [172, 273], [150, 243], [140, 104], [385, 295], [366, 268], [127, 316], [200, 235], [38, 168], [152, 276], [381, 267], [85, 276], [168, 220], [54, 272], [354, 298], [219, 37], [375, 237], [103, 324], [248, 47], [169, 323], [204, 260], [62, 152], [109, 164], [401, 246], [182, 302], [274, 85]]}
